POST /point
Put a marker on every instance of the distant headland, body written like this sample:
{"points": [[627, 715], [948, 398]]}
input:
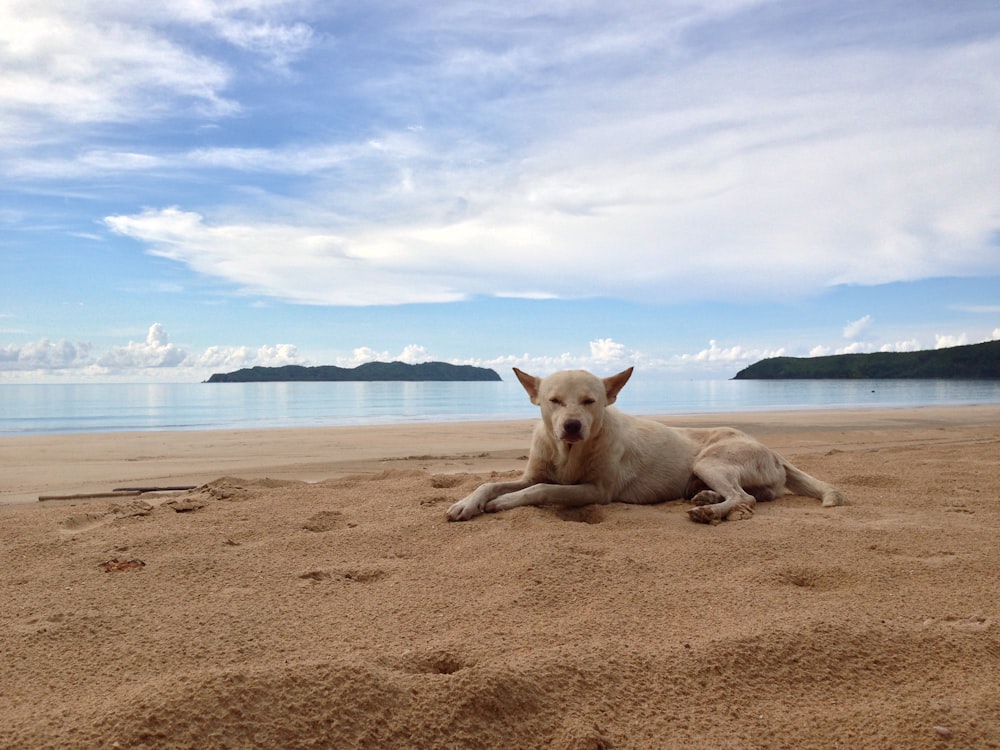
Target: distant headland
{"points": [[368, 372], [972, 362]]}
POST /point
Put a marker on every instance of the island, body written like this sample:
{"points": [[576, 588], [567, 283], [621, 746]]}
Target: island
{"points": [[370, 371], [971, 362]]}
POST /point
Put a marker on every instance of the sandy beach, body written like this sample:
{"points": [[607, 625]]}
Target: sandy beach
{"points": [[309, 593]]}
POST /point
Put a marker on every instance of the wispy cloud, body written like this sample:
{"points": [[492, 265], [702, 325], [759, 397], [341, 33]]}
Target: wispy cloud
{"points": [[296, 263], [978, 309], [74, 64], [98, 62], [856, 327], [772, 169]]}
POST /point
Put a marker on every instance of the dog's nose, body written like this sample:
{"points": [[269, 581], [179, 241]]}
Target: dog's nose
{"points": [[572, 426]]}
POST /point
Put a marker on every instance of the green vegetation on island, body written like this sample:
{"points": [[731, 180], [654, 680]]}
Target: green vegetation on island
{"points": [[972, 362], [370, 371]]}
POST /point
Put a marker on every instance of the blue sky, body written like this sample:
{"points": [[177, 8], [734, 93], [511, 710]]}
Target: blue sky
{"points": [[689, 186]]}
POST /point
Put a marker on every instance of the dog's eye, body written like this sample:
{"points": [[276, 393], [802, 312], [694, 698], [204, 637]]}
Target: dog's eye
{"points": [[589, 401], [556, 401]]}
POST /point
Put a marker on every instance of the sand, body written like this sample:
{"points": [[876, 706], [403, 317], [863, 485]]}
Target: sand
{"points": [[309, 593]]}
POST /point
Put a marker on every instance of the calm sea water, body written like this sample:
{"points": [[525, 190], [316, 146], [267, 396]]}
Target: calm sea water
{"points": [[41, 409]]}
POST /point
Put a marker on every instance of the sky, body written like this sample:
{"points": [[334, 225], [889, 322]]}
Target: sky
{"points": [[686, 186]]}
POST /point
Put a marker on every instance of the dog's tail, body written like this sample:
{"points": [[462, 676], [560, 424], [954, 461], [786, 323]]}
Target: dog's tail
{"points": [[797, 482]]}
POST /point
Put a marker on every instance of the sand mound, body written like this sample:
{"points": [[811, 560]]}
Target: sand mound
{"points": [[347, 613]]}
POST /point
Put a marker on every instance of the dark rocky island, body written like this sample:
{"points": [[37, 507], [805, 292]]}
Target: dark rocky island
{"points": [[972, 362], [370, 371]]}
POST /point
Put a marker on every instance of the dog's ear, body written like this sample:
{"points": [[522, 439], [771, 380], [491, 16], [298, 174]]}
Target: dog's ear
{"points": [[615, 383], [530, 383]]}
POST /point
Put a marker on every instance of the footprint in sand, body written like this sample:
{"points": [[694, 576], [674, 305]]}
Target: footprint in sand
{"points": [[818, 579], [428, 502], [430, 662], [57, 620], [44, 624], [588, 514], [325, 520], [356, 575], [79, 522], [447, 481], [975, 623]]}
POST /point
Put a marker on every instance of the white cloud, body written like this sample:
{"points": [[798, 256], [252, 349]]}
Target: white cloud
{"points": [[700, 176], [93, 61], [603, 356], [155, 351], [75, 66], [606, 356], [361, 355], [229, 358], [301, 264], [413, 354], [856, 347], [153, 357], [737, 353], [608, 351], [913, 345], [44, 355], [943, 341], [995, 336], [855, 328], [633, 159], [864, 347], [280, 44], [550, 230], [987, 309], [156, 358]]}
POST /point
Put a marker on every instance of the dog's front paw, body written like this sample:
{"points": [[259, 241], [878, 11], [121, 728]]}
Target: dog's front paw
{"points": [[464, 509], [497, 504]]}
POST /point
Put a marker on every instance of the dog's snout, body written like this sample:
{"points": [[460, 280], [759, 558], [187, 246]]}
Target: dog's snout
{"points": [[572, 427]]}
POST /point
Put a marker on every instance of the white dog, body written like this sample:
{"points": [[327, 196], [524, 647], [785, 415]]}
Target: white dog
{"points": [[585, 451]]}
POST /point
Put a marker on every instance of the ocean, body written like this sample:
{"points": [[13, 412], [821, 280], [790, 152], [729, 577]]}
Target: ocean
{"points": [[61, 408]]}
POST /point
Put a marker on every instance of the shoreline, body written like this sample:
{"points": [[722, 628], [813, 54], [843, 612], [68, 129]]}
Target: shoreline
{"points": [[77, 463]]}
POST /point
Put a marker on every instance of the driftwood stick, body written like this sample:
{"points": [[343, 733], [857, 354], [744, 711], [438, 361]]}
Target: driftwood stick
{"points": [[179, 488], [87, 496], [117, 492]]}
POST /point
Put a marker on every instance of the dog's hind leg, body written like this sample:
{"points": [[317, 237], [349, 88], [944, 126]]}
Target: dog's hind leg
{"points": [[726, 501], [800, 483], [698, 493], [736, 474]]}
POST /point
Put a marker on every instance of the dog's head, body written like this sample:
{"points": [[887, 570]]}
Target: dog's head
{"points": [[573, 401]]}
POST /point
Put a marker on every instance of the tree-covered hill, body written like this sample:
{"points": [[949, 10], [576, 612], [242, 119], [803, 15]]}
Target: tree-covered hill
{"points": [[370, 371], [972, 362]]}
